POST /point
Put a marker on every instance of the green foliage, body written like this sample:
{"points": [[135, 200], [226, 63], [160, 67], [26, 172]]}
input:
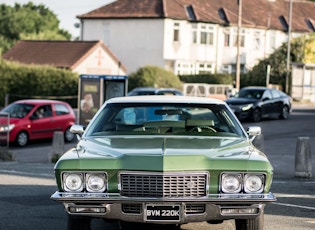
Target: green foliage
{"points": [[226, 79], [30, 81], [302, 50], [153, 76], [28, 21]]}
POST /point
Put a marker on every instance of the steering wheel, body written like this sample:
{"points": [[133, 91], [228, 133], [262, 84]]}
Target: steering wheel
{"points": [[200, 128]]}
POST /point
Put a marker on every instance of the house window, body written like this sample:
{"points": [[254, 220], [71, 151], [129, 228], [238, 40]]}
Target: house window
{"points": [[176, 32], [242, 37], [272, 40], [204, 68], [257, 40], [206, 35], [194, 33], [226, 37]]}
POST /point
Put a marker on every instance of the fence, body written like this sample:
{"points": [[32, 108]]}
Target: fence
{"points": [[207, 90]]}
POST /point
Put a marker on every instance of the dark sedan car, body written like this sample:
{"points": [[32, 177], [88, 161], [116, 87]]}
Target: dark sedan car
{"points": [[255, 103], [140, 91]]}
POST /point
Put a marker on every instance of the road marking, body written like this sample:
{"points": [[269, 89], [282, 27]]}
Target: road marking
{"points": [[294, 195], [27, 173], [6, 179], [290, 182], [294, 206]]}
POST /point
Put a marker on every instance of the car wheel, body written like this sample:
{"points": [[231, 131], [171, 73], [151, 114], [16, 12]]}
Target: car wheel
{"points": [[250, 224], [78, 223], [284, 113], [68, 135], [257, 115], [21, 139]]}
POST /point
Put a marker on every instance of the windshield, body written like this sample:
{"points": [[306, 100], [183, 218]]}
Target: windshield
{"points": [[166, 119], [18, 110], [250, 93]]}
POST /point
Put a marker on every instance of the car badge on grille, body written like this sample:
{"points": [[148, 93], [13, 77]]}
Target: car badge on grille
{"points": [[190, 184]]}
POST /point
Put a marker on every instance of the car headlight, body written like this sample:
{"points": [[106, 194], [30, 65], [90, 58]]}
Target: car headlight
{"points": [[246, 107], [253, 183], [231, 183], [73, 182], [7, 128], [95, 182]]}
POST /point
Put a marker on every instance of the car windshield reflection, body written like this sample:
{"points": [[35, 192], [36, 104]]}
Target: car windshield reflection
{"points": [[135, 119], [18, 110]]}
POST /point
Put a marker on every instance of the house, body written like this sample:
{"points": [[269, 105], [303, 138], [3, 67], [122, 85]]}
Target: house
{"points": [[197, 36], [83, 57]]}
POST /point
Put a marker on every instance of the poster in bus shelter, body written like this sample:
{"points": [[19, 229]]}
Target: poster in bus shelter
{"points": [[89, 99]]}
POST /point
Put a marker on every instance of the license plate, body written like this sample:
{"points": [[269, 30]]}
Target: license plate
{"points": [[162, 212]]}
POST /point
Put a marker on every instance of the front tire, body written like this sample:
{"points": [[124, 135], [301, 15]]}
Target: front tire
{"points": [[284, 113], [250, 224], [21, 139], [78, 223], [257, 115]]}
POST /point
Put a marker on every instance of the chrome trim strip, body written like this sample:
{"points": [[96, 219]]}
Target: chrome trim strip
{"points": [[210, 198]]}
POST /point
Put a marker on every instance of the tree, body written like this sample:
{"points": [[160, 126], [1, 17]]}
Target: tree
{"points": [[28, 21], [302, 50], [153, 76]]}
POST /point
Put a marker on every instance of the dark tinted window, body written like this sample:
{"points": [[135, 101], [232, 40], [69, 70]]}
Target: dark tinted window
{"points": [[250, 93], [267, 95], [43, 111], [275, 93]]}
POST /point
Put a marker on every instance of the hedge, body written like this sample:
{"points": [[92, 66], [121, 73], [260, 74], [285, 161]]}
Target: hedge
{"points": [[31, 81]]}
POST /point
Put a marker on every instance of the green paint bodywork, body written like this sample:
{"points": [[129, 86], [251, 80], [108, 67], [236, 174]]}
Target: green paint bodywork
{"points": [[165, 154]]}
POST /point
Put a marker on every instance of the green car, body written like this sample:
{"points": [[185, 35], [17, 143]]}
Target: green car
{"points": [[164, 160]]}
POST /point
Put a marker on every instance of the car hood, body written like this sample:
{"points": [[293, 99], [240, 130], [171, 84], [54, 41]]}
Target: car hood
{"points": [[4, 120], [163, 153], [240, 101]]}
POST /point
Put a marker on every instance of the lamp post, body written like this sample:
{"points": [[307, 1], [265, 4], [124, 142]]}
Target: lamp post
{"points": [[238, 58], [288, 50]]}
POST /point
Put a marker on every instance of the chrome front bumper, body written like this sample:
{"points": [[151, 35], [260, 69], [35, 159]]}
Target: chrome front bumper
{"points": [[216, 206]]}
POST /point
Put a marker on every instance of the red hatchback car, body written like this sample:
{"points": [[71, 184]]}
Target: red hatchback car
{"points": [[36, 119]]}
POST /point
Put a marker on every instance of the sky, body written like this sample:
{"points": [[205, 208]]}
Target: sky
{"points": [[66, 10]]}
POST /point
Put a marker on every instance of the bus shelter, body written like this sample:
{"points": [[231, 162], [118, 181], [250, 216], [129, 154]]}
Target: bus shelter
{"points": [[94, 90]]}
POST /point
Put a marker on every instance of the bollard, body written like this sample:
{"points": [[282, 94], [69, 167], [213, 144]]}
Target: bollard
{"points": [[303, 159], [57, 146]]}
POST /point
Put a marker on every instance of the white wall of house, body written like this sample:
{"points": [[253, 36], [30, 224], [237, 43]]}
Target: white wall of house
{"points": [[135, 42], [177, 45], [99, 62]]}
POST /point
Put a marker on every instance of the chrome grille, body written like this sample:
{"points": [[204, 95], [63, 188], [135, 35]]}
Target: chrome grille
{"points": [[150, 184]]}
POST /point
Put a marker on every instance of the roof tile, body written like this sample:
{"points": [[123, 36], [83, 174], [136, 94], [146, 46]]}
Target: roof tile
{"points": [[61, 54], [255, 13]]}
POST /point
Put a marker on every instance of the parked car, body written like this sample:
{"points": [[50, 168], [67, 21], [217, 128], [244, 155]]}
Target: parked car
{"points": [[36, 119], [256, 103], [154, 91], [164, 160]]}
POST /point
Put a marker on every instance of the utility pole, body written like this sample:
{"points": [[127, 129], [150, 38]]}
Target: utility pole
{"points": [[238, 58], [288, 50]]}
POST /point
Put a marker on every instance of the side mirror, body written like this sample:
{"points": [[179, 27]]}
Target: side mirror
{"points": [[78, 130], [253, 131]]}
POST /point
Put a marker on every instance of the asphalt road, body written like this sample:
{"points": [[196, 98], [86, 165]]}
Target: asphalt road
{"points": [[27, 183]]}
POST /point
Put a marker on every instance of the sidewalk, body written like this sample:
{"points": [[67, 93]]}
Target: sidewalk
{"points": [[303, 104]]}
